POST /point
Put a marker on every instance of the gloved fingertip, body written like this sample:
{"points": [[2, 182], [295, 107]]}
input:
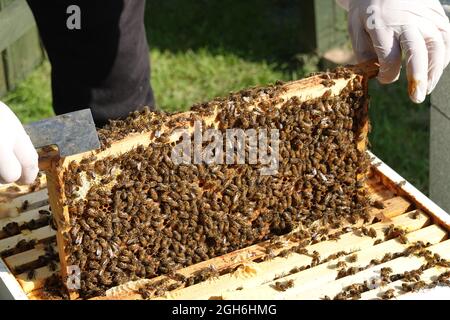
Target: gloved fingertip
{"points": [[417, 90], [387, 79], [10, 176], [30, 169], [29, 176], [389, 71]]}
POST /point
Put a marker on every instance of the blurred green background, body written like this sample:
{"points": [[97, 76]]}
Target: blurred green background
{"points": [[199, 51]]}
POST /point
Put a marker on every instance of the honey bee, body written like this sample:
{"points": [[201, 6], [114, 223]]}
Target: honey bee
{"points": [[392, 232], [415, 214], [44, 212], [388, 294], [340, 296], [31, 274], [341, 264], [25, 206], [378, 204], [352, 258], [12, 229], [443, 279], [315, 258], [413, 287], [387, 257], [346, 272], [412, 276], [372, 233], [385, 272], [283, 285], [401, 184], [402, 239], [52, 266]]}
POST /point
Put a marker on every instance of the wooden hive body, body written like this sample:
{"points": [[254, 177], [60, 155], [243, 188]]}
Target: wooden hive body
{"points": [[254, 270], [404, 206]]}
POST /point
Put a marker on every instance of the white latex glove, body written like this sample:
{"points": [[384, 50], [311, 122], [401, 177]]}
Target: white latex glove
{"points": [[18, 157], [384, 29]]}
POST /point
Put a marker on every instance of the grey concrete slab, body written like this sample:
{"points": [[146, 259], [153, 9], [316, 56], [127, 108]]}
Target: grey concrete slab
{"points": [[441, 95], [440, 143]]}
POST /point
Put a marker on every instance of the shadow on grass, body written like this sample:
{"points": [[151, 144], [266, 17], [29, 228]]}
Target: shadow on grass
{"points": [[256, 30]]}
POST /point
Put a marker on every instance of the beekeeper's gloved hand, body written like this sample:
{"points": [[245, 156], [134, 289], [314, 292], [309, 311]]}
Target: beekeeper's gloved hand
{"points": [[384, 29], [18, 158]]}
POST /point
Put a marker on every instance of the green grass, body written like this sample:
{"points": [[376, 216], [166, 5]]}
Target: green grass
{"points": [[181, 79], [203, 49], [400, 133], [32, 98]]}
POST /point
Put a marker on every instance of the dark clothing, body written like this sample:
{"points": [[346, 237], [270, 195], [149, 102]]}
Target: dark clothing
{"points": [[104, 65]]}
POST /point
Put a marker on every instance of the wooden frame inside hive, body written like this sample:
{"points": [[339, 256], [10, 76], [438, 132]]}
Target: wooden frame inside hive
{"points": [[304, 90]]}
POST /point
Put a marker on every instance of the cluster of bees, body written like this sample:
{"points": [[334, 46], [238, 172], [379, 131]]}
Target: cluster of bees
{"points": [[176, 280], [392, 232], [411, 280], [156, 217], [54, 289], [13, 228]]}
